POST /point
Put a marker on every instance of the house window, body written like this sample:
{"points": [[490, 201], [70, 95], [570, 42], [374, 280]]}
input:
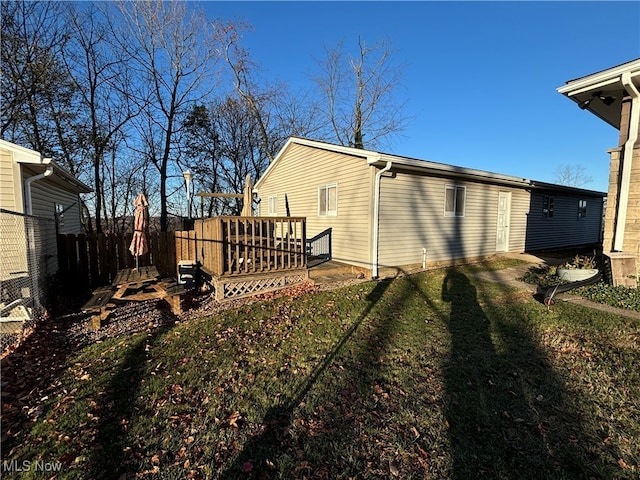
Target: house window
{"points": [[547, 207], [454, 200], [273, 205], [582, 209], [328, 200]]}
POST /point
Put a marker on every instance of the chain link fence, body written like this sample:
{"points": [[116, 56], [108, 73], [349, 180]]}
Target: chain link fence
{"points": [[27, 262]]}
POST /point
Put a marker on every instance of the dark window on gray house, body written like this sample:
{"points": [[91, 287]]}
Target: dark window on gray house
{"points": [[582, 209], [547, 207]]}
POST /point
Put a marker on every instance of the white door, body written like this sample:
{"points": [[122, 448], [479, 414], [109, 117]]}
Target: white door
{"points": [[502, 237]]}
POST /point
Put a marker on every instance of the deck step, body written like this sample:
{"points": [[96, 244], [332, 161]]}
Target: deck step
{"points": [[331, 269]]}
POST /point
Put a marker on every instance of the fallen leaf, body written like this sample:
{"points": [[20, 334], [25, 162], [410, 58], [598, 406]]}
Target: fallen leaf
{"points": [[622, 463]]}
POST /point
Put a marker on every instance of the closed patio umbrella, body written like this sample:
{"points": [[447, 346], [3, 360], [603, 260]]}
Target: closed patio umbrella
{"points": [[247, 207], [139, 245]]}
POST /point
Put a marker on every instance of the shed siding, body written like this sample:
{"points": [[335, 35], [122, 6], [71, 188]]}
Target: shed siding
{"points": [[520, 204], [412, 219], [564, 228], [45, 196], [296, 180]]}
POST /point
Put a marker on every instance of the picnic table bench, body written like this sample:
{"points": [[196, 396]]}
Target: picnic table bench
{"points": [[100, 306], [132, 285]]}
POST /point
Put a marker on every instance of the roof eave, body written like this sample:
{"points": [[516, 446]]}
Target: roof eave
{"points": [[607, 82]]}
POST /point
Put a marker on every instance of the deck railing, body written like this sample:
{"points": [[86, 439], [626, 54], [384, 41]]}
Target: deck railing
{"points": [[227, 246]]}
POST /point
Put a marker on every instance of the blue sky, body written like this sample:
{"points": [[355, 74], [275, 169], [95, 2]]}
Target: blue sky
{"points": [[480, 77]]}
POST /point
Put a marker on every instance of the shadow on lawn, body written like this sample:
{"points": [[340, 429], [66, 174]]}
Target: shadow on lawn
{"points": [[118, 405], [275, 440], [509, 415], [507, 411]]}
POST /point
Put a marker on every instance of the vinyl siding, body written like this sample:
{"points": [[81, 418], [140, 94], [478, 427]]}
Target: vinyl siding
{"points": [[520, 204], [564, 229], [300, 172], [10, 198], [45, 196], [412, 218]]}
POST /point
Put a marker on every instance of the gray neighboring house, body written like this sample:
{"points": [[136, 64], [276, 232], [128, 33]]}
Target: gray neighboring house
{"points": [[378, 211]]}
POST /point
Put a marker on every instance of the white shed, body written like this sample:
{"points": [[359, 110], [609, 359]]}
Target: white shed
{"points": [[380, 211]]}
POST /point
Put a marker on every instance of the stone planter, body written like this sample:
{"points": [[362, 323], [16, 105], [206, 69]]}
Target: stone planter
{"points": [[576, 274]]}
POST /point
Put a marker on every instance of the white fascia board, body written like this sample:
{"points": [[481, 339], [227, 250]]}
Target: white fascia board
{"points": [[600, 79], [357, 152], [24, 154], [428, 166], [70, 178]]}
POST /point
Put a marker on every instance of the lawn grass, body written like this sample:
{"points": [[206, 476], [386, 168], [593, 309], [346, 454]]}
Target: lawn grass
{"points": [[433, 375]]}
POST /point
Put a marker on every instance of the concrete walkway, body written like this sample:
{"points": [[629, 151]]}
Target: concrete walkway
{"points": [[508, 277]]}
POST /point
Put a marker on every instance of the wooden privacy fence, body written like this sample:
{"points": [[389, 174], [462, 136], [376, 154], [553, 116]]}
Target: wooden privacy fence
{"points": [[89, 261], [227, 246]]}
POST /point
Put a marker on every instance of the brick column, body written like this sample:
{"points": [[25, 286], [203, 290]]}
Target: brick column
{"points": [[623, 264]]}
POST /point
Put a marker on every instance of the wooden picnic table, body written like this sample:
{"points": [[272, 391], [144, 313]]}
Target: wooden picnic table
{"points": [[139, 284], [136, 285]]}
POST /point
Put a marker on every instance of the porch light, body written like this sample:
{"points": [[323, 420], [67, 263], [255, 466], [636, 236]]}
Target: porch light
{"points": [[606, 99]]}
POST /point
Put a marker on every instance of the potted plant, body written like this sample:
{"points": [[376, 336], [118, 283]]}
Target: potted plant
{"points": [[579, 268]]}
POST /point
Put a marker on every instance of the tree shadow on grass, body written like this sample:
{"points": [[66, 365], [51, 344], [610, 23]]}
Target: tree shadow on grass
{"points": [[509, 414], [260, 454], [117, 405]]}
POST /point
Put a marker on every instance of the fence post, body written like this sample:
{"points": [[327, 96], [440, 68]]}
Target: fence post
{"points": [[63, 258], [94, 271], [83, 264]]}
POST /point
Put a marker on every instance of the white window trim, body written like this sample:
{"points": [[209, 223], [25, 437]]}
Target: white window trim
{"points": [[328, 213], [274, 212], [582, 211], [464, 206]]}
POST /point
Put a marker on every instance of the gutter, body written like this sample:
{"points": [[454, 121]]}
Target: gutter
{"points": [[376, 220], [27, 185], [623, 198]]}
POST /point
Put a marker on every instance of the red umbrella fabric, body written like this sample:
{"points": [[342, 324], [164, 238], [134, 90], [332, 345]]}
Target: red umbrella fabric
{"points": [[139, 245]]}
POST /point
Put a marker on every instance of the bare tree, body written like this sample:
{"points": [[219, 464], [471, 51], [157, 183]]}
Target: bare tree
{"points": [[277, 112], [101, 78], [224, 144], [173, 50], [38, 99], [359, 94], [572, 175]]}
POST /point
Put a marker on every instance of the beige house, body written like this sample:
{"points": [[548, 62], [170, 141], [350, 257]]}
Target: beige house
{"points": [[614, 96], [37, 198], [382, 212]]}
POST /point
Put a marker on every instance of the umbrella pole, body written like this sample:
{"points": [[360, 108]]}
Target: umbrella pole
{"points": [[137, 264]]}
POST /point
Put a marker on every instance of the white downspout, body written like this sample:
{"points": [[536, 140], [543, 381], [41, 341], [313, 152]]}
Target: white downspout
{"points": [[31, 233], [28, 205], [623, 199], [376, 221]]}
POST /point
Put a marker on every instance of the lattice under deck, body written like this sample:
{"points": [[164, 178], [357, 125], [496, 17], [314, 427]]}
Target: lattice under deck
{"points": [[230, 287]]}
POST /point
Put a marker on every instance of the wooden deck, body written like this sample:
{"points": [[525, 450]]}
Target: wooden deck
{"points": [[228, 246], [246, 255]]}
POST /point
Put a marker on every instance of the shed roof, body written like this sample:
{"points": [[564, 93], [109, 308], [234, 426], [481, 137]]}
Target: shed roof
{"points": [[379, 160], [35, 163]]}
